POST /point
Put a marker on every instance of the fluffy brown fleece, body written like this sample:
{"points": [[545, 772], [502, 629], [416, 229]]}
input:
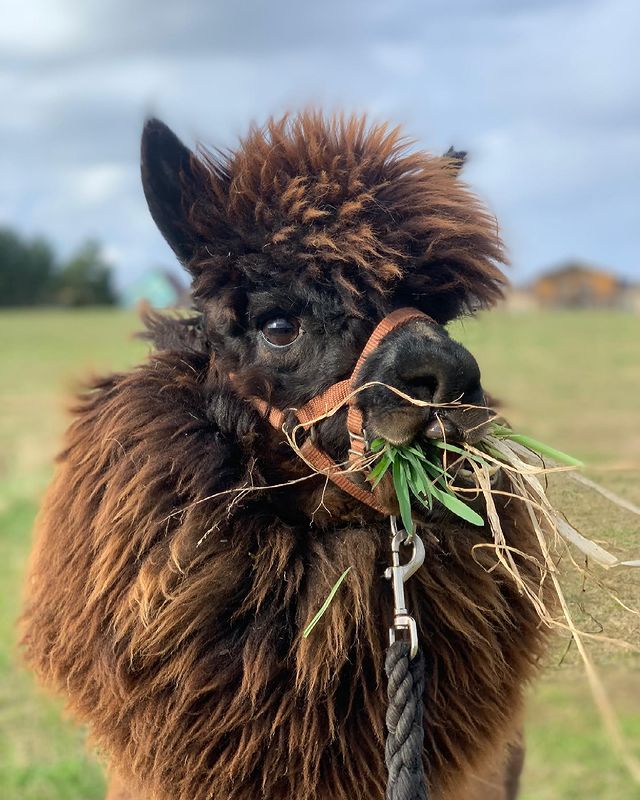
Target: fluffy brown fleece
{"points": [[333, 202], [171, 615]]}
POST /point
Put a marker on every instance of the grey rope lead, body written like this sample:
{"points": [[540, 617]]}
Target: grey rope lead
{"points": [[405, 730], [404, 666]]}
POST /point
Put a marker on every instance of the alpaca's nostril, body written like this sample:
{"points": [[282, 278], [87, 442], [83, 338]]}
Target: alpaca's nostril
{"points": [[423, 383]]}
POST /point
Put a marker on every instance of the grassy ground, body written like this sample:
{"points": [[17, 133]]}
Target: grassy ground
{"points": [[570, 379]]}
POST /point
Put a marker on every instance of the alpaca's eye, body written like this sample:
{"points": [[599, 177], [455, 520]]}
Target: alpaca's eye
{"points": [[281, 331]]}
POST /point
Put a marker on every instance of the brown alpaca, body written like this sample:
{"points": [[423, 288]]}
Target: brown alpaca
{"points": [[171, 615]]}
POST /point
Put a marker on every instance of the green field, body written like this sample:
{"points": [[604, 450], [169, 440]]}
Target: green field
{"points": [[572, 379]]}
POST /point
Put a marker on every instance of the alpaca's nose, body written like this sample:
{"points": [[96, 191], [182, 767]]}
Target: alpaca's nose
{"points": [[434, 381], [436, 369], [421, 361]]}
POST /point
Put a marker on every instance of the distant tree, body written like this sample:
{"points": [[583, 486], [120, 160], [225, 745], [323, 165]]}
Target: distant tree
{"points": [[86, 279], [31, 275], [27, 270]]}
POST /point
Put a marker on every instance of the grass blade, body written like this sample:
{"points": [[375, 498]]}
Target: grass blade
{"points": [[438, 475], [457, 507], [401, 486], [378, 472], [418, 474], [503, 432], [425, 497], [459, 450], [416, 452], [325, 605], [544, 449]]}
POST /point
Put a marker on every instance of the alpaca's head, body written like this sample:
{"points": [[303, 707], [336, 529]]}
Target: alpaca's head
{"points": [[305, 237]]}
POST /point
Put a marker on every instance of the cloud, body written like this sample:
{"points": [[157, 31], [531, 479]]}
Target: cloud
{"points": [[39, 28], [545, 95], [98, 184]]}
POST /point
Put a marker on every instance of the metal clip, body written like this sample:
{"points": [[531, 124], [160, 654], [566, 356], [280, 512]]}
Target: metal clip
{"points": [[399, 573]]}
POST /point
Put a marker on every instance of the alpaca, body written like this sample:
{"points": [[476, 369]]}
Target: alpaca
{"points": [[169, 608]]}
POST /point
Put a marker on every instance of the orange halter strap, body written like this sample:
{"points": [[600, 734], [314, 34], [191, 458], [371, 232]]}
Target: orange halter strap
{"points": [[329, 402]]}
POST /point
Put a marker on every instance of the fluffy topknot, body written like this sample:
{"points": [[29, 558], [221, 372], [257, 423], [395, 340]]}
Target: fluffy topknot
{"points": [[336, 202]]}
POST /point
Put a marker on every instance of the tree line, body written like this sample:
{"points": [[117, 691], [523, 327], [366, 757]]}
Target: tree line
{"points": [[31, 274]]}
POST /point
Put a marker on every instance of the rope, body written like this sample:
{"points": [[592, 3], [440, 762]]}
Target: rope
{"points": [[405, 732]]}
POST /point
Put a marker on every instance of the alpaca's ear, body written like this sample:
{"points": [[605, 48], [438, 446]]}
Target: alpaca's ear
{"points": [[456, 159], [166, 169]]}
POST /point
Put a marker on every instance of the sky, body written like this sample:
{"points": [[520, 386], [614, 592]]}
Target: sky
{"points": [[544, 95]]}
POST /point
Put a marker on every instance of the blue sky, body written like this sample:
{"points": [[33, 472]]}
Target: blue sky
{"points": [[544, 95]]}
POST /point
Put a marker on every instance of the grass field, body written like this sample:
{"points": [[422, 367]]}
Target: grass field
{"points": [[570, 379]]}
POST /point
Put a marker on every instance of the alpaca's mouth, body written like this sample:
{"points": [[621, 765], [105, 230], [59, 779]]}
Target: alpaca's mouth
{"points": [[399, 426]]}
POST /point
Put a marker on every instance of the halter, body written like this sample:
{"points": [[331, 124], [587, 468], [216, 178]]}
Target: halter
{"points": [[330, 401]]}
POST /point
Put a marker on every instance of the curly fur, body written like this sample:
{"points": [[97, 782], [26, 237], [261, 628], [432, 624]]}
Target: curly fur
{"points": [[333, 202], [170, 615]]}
